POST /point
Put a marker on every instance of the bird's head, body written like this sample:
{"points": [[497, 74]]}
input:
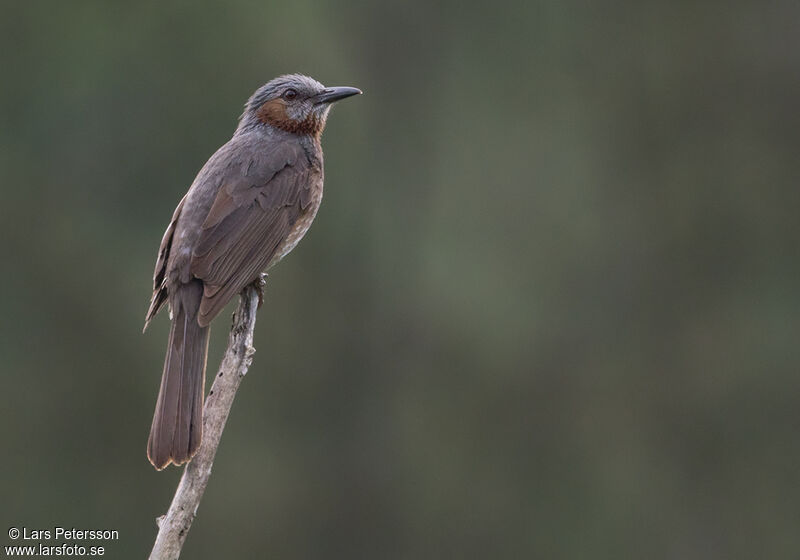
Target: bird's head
{"points": [[294, 103]]}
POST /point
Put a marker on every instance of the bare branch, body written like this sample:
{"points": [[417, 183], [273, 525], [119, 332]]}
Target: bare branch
{"points": [[175, 525]]}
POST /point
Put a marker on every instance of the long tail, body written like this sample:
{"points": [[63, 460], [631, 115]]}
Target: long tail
{"points": [[178, 420]]}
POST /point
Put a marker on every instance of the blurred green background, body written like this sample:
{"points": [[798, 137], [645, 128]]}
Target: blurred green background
{"points": [[549, 307]]}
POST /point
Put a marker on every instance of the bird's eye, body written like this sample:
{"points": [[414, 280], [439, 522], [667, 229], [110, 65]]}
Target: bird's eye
{"points": [[290, 94]]}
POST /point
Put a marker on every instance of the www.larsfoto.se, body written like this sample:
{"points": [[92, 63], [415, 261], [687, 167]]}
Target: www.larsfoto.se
{"points": [[64, 549]]}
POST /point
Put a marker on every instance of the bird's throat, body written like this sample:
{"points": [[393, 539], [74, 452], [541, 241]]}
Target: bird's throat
{"points": [[274, 113]]}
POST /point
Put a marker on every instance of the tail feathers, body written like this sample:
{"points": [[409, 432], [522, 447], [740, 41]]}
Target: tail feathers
{"points": [[178, 420]]}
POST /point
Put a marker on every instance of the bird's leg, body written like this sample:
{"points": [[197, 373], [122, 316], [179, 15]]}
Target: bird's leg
{"points": [[259, 284]]}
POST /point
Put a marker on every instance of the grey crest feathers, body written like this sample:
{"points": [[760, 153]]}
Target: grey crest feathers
{"points": [[299, 109], [304, 85]]}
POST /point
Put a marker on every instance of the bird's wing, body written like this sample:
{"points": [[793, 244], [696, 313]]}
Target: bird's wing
{"points": [[159, 289], [252, 214]]}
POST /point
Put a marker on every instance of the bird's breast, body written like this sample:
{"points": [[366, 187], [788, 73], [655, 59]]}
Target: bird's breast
{"points": [[301, 225]]}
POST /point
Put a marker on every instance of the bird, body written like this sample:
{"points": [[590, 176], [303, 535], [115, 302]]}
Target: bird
{"points": [[247, 208]]}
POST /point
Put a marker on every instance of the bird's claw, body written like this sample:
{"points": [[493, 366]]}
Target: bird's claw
{"points": [[259, 284]]}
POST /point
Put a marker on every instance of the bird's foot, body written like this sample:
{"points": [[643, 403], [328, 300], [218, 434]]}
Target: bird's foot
{"points": [[259, 284]]}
